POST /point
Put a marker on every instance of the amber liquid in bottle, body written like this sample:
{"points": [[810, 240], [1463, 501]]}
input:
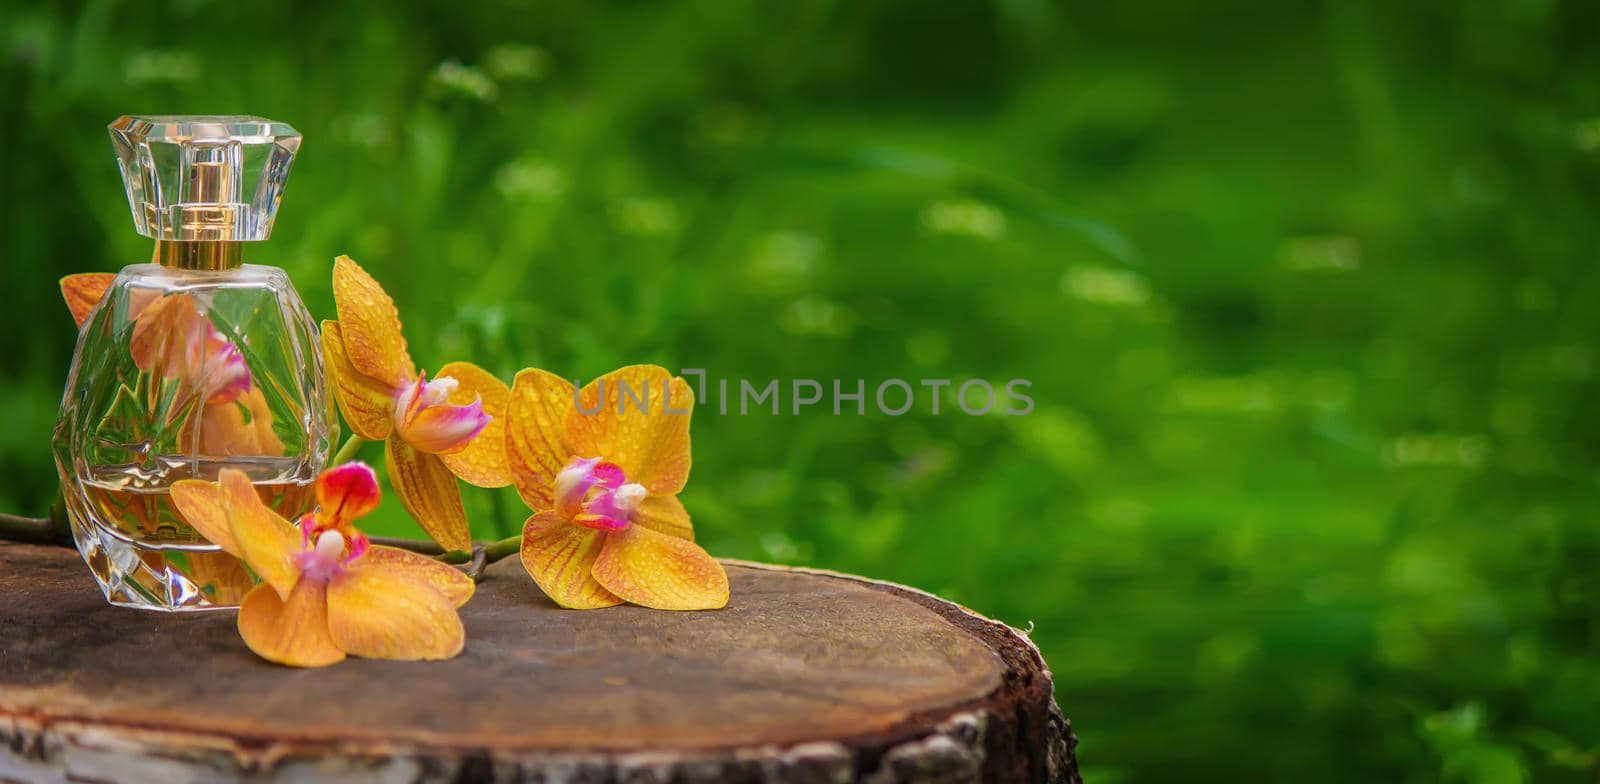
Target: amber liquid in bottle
{"points": [[166, 543]]}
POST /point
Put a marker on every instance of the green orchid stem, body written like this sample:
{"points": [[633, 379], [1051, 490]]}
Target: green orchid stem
{"points": [[510, 545], [415, 546], [493, 551], [347, 450]]}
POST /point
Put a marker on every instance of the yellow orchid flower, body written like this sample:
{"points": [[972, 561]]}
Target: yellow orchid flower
{"points": [[325, 591], [172, 338], [602, 473], [434, 431]]}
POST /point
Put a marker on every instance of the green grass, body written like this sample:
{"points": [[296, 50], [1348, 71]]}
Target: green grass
{"points": [[1308, 297]]}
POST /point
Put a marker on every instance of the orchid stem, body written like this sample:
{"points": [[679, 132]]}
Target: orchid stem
{"points": [[508, 546], [480, 559], [54, 530], [32, 530], [348, 450], [415, 546], [490, 552]]}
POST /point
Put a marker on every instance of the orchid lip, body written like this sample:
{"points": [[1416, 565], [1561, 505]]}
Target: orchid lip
{"points": [[312, 526], [596, 494], [425, 418], [324, 559]]}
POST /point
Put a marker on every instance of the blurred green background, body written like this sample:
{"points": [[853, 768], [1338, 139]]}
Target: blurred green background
{"points": [[1307, 293]]}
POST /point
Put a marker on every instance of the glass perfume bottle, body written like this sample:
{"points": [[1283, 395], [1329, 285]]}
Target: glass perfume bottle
{"points": [[191, 364]]}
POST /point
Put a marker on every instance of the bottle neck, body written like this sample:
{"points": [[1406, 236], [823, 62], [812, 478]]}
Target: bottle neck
{"points": [[213, 255]]}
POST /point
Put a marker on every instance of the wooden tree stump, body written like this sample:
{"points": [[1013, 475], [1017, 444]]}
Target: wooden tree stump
{"points": [[806, 676]]}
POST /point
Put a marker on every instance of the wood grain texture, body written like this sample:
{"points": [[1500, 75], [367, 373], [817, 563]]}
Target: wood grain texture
{"points": [[805, 676]]}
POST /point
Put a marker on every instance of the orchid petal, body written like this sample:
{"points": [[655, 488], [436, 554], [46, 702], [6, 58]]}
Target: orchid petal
{"points": [[266, 541], [265, 440], [200, 504], [292, 631], [429, 493], [456, 586], [346, 493], [388, 614], [599, 522], [166, 336], [483, 461], [371, 324], [223, 431], [536, 438], [664, 514], [221, 576], [84, 291], [659, 571], [366, 402], [651, 445], [559, 556]]}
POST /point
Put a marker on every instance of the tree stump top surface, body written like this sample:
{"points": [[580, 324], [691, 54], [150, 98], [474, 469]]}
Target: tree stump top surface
{"points": [[797, 656]]}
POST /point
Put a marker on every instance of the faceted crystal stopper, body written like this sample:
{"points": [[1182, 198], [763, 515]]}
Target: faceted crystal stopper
{"points": [[197, 178]]}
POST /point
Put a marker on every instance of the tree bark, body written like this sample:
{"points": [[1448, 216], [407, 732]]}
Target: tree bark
{"points": [[806, 676]]}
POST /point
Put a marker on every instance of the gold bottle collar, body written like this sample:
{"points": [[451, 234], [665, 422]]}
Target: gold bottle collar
{"points": [[211, 255]]}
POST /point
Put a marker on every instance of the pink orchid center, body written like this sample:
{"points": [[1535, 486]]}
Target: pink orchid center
{"points": [[425, 418], [223, 372], [597, 494], [313, 525], [329, 556]]}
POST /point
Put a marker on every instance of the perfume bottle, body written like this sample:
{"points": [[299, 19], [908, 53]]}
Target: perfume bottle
{"points": [[190, 364]]}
